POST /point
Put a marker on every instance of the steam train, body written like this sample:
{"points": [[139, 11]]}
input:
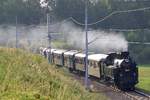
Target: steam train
{"points": [[116, 68]]}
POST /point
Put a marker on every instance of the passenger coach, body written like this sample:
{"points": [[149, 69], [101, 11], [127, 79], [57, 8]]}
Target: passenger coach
{"points": [[69, 59], [58, 57]]}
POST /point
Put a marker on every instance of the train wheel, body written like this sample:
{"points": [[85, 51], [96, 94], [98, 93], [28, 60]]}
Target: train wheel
{"points": [[125, 87]]}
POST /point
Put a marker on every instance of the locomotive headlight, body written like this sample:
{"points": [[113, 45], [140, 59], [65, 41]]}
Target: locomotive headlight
{"points": [[127, 70]]}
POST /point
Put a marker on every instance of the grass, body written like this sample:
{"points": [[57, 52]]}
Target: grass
{"points": [[25, 76], [144, 78]]}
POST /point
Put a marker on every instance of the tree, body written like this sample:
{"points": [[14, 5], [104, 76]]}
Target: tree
{"points": [[28, 12]]}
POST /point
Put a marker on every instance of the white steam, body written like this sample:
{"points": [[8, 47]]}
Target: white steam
{"points": [[29, 37], [32, 37], [99, 41]]}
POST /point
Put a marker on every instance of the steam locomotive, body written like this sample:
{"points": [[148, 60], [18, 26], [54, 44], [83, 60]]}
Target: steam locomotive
{"points": [[116, 68]]}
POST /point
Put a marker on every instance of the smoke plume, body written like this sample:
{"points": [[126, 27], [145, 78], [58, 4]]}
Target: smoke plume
{"points": [[32, 37], [28, 37], [99, 41]]}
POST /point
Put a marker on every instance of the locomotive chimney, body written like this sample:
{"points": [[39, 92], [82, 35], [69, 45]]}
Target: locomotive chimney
{"points": [[124, 54]]}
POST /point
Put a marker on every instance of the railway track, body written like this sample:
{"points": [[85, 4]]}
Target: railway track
{"points": [[137, 95], [131, 95]]}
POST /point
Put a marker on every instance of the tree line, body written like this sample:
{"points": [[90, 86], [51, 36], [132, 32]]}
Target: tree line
{"points": [[31, 12], [28, 11]]}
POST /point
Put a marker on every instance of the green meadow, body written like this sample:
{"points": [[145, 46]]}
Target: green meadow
{"points": [[26, 76], [144, 78]]}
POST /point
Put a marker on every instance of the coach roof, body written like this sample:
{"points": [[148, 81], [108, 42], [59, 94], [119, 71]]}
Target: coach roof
{"points": [[71, 52], [59, 51], [97, 57], [48, 50], [80, 55]]}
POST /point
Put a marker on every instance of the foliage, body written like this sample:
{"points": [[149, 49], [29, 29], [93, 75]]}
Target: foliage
{"points": [[28, 11], [25, 76], [140, 52], [102, 8]]}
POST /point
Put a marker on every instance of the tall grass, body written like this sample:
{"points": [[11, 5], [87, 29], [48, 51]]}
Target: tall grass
{"points": [[144, 78], [25, 76]]}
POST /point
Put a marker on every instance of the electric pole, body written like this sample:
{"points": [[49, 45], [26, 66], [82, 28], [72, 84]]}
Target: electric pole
{"points": [[86, 45], [16, 32], [49, 36]]}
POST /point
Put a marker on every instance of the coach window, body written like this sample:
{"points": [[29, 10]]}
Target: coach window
{"points": [[58, 57], [76, 60], [91, 63], [67, 59], [55, 56], [80, 61], [94, 64]]}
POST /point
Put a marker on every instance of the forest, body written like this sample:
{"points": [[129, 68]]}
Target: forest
{"points": [[130, 15]]}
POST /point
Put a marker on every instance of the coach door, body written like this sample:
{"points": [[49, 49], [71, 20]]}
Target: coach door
{"points": [[102, 70]]}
